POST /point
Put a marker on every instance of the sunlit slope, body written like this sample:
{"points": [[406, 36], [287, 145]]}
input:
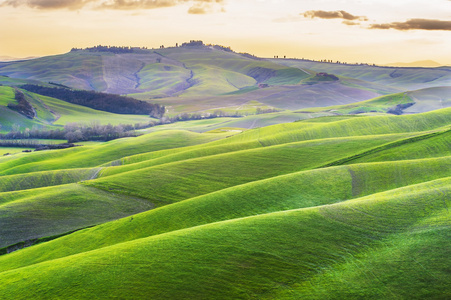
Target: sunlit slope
{"points": [[272, 135], [256, 215], [141, 161], [405, 78], [45, 178], [416, 260], [293, 191], [49, 211], [43, 114], [10, 118], [257, 256], [167, 176], [435, 146], [51, 111], [65, 113], [354, 126], [171, 182], [92, 156]]}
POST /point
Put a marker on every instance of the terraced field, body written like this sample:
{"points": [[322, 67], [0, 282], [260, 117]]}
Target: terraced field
{"points": [[336, 207]]}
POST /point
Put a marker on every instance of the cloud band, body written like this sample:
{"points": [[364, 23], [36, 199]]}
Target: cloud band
{"points": [[415, 24], [198, 6], [338, 14]]}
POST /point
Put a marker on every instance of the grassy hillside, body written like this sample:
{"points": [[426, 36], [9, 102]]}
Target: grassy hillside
{"points": [[9, 117], [405, 78], [37, 213], [204, 79], [430, 99], [96, 155], [51, 112], [345, 206], [293, 191], [46, 178], [75, 69], [167, 183], [246, 256]]}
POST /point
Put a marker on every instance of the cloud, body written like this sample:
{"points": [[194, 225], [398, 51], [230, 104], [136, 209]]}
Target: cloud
{"points": [[48, 4], [198, 6], [415, 24], [350, 23], [197, 10], [151, 4], [338, 14], [204, 7]]}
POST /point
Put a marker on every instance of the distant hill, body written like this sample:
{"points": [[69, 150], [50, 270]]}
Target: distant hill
{"points": [[10, 58], [420, 63], [396, 77], [203, 79]]}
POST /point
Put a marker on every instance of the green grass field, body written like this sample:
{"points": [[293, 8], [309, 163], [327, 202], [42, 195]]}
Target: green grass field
{"points": [[263, 256], [101, 154], [321, 203]]}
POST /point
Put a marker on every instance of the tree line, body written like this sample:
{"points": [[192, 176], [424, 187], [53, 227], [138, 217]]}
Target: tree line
{"points": [[78, 132], [112, 49], [101, 101], [38, 145], [74, 132]]}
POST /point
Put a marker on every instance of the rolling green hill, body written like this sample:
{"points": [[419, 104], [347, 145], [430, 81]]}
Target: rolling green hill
{"points": [[262, 256], [344, 206], [325, 181], [51, 112]]}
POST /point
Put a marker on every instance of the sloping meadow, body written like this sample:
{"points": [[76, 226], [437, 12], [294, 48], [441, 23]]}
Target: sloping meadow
{"points": [[339, 208]]}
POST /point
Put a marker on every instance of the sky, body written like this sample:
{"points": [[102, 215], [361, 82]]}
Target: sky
{"points": [[370, 31]]}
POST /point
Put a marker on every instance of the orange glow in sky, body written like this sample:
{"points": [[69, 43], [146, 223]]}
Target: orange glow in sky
{"points": [[373, 31]]}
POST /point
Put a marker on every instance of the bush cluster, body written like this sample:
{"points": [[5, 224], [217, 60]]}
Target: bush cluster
{"points": [[23, 107]]}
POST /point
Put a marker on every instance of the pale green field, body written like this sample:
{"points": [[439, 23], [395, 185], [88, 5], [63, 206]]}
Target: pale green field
{"points": [[404, 78]]}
